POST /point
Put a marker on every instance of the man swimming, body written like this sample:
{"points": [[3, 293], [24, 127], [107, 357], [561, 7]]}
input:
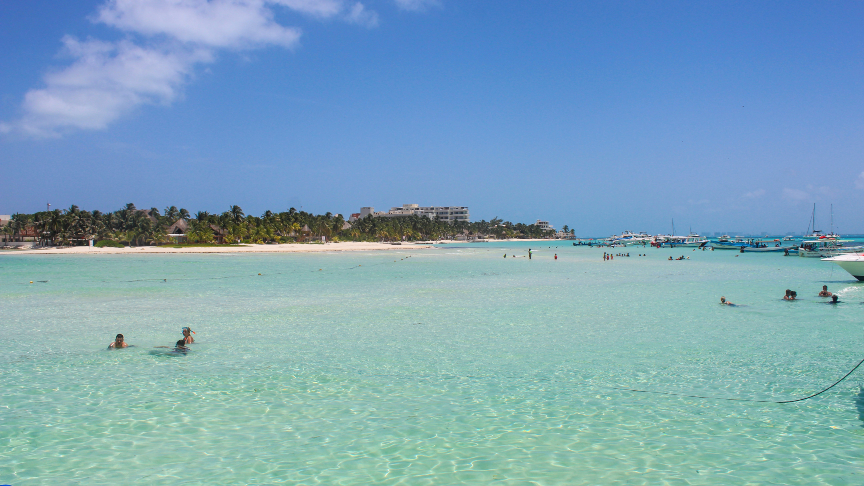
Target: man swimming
{"points": [[723, 301], [833, 300], [788, 295], [824, 292], [118, 343]]}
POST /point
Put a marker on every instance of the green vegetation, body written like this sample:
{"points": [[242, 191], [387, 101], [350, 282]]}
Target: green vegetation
{"points": [[108, 244], [136, 227]]}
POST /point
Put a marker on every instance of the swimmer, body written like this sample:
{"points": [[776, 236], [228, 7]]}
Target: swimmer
{"points": [[788, 295], [723, 301], [187, 336], [833, 300], [825, 292], [118, 343], [179, 346], [670, 258], [793, 295]]}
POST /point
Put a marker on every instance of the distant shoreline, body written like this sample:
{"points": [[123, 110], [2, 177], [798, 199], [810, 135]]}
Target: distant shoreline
{"points": [[254, 248], [250, 248]]}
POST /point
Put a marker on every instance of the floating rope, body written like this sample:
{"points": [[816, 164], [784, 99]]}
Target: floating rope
{"points": [[742, 399]]}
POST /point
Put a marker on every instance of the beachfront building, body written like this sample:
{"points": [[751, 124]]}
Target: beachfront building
{"points": [[449, 214], [4, 219], [544, 225]]}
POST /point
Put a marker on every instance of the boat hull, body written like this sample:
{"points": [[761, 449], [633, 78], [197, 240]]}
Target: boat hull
{"points": [[854, 264], [748, 249]]}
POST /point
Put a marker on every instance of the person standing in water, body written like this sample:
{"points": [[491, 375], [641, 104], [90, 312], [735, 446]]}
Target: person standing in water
{"points": [[824, 292], [187, 336], [118, 343]]}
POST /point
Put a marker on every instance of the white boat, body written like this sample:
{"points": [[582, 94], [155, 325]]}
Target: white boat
{"points": [[789, 238], [826, 247], [851, 262]]}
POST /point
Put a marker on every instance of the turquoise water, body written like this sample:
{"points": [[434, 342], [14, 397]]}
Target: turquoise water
{"points": [[443, 366]]}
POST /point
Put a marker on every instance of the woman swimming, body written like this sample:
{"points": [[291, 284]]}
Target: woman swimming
{"points": [[187, 336]]}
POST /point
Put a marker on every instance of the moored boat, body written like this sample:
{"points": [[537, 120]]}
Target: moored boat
{"points": [[851, 262], [826, 247]]}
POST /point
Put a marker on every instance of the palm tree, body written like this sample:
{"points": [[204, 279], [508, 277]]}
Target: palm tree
{"points": [[237, 213]]}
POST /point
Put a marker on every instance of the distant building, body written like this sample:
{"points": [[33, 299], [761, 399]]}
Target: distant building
{"points": [[449, 214], [544, 225], [4, 219]]}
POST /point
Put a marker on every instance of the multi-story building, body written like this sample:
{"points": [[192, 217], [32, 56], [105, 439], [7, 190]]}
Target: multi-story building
{"points": [[544, 225], [449, 214]]}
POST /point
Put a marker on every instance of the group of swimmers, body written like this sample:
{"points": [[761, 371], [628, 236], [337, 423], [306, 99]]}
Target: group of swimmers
{"points": [[792, 295], [679, 258], [119, 341]]}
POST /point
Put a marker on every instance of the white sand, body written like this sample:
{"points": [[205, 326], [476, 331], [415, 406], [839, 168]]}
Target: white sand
{"points": [[283, 248]]}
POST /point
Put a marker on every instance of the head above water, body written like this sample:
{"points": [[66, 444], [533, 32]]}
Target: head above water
{"points": [[180, 344], [824, 287], [722, 300], [833, 298], [119, 338]]}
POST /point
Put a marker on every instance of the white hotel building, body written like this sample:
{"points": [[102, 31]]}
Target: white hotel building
{"points": [[449, 214]]}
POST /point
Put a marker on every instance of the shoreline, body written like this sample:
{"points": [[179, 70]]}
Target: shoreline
{"points": [[250, 248], [254, 248]]}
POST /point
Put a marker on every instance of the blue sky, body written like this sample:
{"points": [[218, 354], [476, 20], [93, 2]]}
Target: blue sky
{"points": [[726, 116]]}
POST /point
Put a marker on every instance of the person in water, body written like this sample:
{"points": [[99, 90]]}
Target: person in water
{"points": [[824, 292], [181, 346], [788, 295], [187, 336], [793, 295], [834, 300], [118, 343], [723, 301]]}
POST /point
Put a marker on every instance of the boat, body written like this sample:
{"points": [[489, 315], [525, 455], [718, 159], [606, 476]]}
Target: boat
{"points": [[692, 240], [851, 262], [826, 247], [629, 238], [789, 238], [763, 246]]}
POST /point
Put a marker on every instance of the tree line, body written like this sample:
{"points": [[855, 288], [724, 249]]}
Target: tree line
{"points": [[134, 226]]}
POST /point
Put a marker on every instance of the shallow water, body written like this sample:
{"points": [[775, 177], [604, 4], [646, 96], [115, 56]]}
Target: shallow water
{"points": [[443, 366]]}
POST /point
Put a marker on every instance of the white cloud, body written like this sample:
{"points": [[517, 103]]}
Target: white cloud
{"points": [[107, 80], [416, 5], [795, 195], [754, 194], [360, 16], [215, 23], [859, 182], [317, 8], [823, 190]]}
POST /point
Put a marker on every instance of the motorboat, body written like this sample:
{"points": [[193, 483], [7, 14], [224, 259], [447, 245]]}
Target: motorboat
{"points": [[763, 246], [727, 243], [851, 262], [690, 241], [826, 247]]}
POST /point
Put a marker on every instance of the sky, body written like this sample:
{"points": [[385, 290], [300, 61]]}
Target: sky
{"points": [[605, 116]]}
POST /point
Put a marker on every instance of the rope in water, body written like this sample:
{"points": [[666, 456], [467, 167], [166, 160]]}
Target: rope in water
{"points": [[742, 399]]}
